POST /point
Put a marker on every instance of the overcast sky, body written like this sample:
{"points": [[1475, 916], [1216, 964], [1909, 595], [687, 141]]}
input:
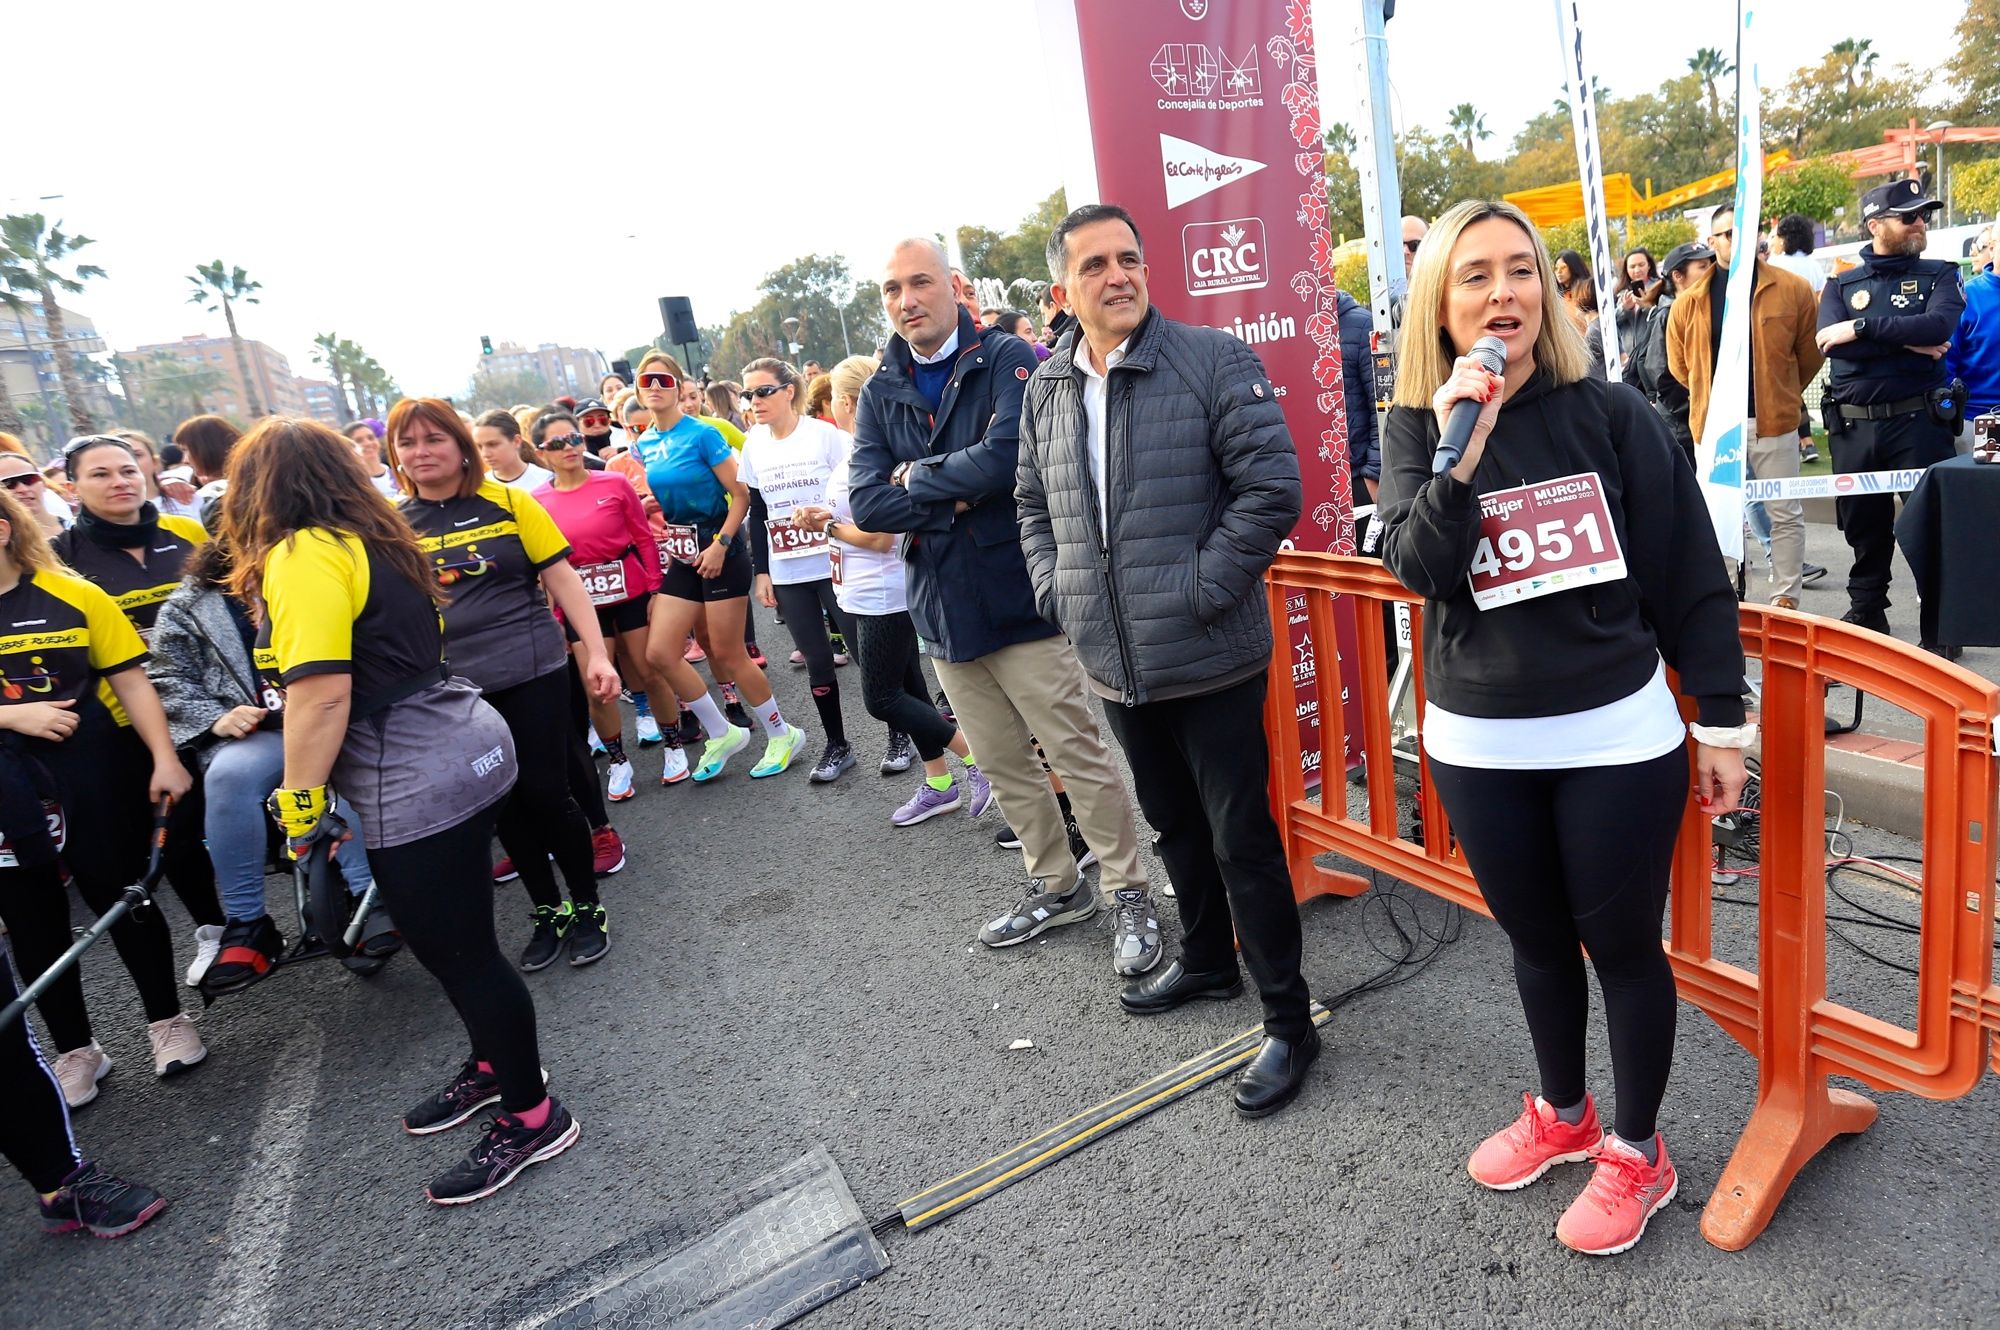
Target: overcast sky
{"points": [[414, 175]]}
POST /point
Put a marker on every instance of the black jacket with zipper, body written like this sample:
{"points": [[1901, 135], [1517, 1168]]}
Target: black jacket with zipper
{"points": [[1203, 486], [1572, 650]]}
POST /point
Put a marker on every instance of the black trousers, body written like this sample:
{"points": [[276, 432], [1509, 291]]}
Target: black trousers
{"points": [[440, 892], [1575, 859], [582, 771], [539, 818], [1869, 520], [36, 1137], [892, 681], [1199, 768], [806, 607]]}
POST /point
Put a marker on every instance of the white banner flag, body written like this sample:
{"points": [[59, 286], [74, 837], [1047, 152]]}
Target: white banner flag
{"points": [[1590, 171]]}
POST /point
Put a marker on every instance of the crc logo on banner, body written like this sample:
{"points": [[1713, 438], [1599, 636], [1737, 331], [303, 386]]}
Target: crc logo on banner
{"points": [[1224, 256]]}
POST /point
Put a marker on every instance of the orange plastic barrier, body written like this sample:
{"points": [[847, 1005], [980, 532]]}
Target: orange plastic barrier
{"points": [[1780, 1013]]}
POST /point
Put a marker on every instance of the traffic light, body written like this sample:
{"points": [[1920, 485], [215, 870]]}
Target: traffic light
{"points": [[485, 346]]}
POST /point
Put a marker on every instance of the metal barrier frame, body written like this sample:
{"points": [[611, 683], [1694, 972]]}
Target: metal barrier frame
{"points": [[1780, 1013]]}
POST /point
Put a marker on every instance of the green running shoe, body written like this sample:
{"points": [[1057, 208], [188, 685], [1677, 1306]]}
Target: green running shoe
{"points": [[717, 751], [778, 753]]}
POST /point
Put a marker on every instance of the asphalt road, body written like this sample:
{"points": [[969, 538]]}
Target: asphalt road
{"points": [[788, 969]]}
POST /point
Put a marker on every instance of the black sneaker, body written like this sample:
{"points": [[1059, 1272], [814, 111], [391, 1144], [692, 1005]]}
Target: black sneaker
{"points": [[1877, 620], [1006, 839], [1811, 573], [691, 731], [551, 924], [1808, 453], [250, 948], [1079, 849], [506, 1148], [91, 1198], [589, 936], [469, 1091], [901, 753], [837, 757], [733, 712]]}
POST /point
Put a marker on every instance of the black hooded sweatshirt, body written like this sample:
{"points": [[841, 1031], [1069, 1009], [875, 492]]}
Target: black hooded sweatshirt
{"points": [[1574, 650]]}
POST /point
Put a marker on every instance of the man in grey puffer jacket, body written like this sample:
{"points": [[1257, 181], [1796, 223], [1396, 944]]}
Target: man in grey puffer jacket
{"points": [[1156, 482]]}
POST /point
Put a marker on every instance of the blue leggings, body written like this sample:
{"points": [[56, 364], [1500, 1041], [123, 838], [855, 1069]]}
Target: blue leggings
{"points": [[239, 779]]}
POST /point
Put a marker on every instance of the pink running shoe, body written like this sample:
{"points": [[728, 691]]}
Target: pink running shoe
{"points": [[1532, 1144], [1624, 1193]]}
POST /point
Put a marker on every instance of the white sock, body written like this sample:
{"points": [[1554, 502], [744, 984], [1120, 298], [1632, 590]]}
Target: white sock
{"points": [[774, 720], [709, 714]]}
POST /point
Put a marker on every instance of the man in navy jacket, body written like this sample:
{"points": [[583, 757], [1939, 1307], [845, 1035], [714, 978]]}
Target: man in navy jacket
{"points": [[935, 453]]}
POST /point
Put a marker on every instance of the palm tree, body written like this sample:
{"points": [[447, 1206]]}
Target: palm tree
{"points": [[1708, 65], [1339, 138], [351, 357], [1857, 61], [381, 388], [1469, 123], [217, 287], [326, 350], [11, 276], [35, 249]]}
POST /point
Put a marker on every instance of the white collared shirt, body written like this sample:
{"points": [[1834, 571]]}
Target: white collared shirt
{"points": [[945, 352], [1095, 387]]}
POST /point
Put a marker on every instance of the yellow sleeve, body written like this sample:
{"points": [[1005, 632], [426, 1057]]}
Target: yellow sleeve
{"points": [[540, 536], [730, 434], [114, 643], [315, 586], [193, 532]]}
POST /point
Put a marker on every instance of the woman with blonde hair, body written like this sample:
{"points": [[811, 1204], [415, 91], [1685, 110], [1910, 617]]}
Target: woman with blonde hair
{"points": [[1552, 736]]}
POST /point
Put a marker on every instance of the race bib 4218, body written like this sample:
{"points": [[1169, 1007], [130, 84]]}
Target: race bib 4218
{"points": [[1536, 540]]}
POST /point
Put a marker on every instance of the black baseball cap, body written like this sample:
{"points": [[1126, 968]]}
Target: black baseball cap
{"points": [[591, 404], [1901, 197], [1684, 254]]}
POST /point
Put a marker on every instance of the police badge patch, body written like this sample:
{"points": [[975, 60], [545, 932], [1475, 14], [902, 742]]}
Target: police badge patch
{"points": [[1859, 300]]}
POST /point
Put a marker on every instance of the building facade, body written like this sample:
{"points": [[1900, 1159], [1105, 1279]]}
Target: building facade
{"points": [[569, 371], [278, 391], [324, 401], [28, 363]]}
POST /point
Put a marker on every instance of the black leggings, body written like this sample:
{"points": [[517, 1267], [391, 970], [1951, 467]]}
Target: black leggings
{"points": [[1572, 859], [185, 860], [892, 681], [37, 1140], [582, 771], [102, 780], [440, 892], [538, 817], [806, 606]]}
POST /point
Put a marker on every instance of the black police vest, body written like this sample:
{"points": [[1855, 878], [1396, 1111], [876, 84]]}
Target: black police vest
{"points": [[1868, 292]]}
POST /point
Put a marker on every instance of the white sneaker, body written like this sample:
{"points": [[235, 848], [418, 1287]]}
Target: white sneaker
{"points": [[649, 732], [78, 1072], [176, 1046], [676, 768], [207, 944], [618, 782], [597, 748]]}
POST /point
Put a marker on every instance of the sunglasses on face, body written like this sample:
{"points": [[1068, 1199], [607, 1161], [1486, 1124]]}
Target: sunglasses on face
{"points": [[595, 418], [650, 380], [767, 390], [1722, 235], [25, 478], [1411, 246], [558, 445]]}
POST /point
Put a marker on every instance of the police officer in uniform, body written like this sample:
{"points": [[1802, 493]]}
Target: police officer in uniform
{"points": [[1885, 327]]}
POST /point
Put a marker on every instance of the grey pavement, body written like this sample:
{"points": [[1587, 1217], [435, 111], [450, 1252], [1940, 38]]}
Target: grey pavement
{"points": [[788, 969]]}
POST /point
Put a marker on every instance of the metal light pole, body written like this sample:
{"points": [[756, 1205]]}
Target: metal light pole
{"points": [[1938, 127], [792, 325]]}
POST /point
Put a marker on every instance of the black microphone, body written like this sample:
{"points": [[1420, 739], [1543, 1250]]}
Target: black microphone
{"points": [[1490, 353]]}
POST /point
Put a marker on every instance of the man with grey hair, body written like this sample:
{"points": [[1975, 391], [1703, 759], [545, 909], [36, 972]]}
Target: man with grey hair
{"points": [[934, 459]]}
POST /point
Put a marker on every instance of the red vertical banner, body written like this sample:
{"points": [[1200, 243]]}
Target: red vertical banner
{"points": [[1203, 121]]}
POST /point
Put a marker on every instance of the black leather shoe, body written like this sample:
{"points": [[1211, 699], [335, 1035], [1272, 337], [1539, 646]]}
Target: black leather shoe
{"points": [[1275, 1074], [1174, 985]]}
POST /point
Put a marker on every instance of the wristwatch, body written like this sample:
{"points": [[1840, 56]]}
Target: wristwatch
{"points": [[1861, 327]]}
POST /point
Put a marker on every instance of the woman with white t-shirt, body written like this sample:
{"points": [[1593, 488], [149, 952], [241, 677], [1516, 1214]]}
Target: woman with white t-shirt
{"points": [[497, 435], [868, 582]]}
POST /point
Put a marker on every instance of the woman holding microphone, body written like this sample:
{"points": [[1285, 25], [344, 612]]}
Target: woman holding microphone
{"points": [[1554, 740]]}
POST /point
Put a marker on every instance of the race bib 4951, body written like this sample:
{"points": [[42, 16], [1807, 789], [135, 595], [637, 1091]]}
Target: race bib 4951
{"points": [[1536, 540]]}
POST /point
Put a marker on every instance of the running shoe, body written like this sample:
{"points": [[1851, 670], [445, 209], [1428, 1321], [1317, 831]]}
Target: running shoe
{"points": [[694, 655], [597, 748], [589, 936], [250, 948], [1079, 849], [176, 1046], [1532, 1144], [607, 850], [756, 654], [690, 729], [1808, 453], [839, 642], [78, 1072], [944, 708], [649, 730], [207, 944], [552, 924], [93, 1199], [901, 752], [1624, 1194], [779, 752], [1006, 839], [1810, 573], [508, 1147], [926, 804], [797, 660], [468, 1092], [1038, 911], [978, 793], [732, 707], [718, 751], [673, 765], [834, 759], [504, 871], [1135, 936], [618, 781]]}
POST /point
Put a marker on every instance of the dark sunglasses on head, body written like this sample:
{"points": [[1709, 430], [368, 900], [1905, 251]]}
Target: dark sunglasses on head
{"points": [[658, 380], [767, 390], [76, 446], [557, 445], [25, 478]]}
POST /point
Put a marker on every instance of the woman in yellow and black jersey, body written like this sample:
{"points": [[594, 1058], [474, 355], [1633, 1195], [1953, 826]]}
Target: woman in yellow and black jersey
{"points": [[122, 542], [350, 613], [501, 560], [69, 787]]}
